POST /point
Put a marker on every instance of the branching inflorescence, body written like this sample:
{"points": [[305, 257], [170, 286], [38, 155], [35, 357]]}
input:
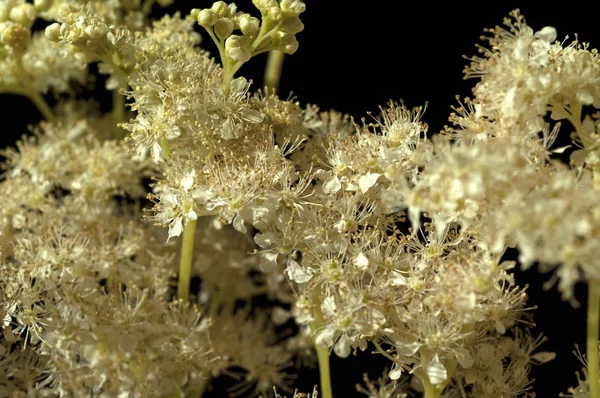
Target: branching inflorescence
{"points": [[261, 197]]}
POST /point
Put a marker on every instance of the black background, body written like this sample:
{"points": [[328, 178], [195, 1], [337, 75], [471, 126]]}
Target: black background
{"points": [[355, 56]]}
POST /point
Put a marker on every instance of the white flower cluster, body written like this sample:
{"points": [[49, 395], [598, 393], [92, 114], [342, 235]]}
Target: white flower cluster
{"points": [[29, 63], [500, 180], [300, 206]]}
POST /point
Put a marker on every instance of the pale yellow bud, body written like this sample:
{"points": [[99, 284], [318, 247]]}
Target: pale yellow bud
{"points": [[164, 3], [223, 28], [264, 5], [238, 48], [220, 8], [96, 32], [23, 14], [207, 18], [288, 44], [292, 7], [16, 36], [275, 14], [42, 5], [249, 25], [53, 32]]}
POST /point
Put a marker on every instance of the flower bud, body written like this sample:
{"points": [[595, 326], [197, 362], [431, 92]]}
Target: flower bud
{"points": [[206, 18], [95, 32], [292, 7], [264, 5], [288, 44], [194, 13], [16, 36], [42, 5], [23, 14], [53, 31], [223, 28], [249, 25], [220, 8], [292, 26], [275, 13], [237, 48], [165, 3]]}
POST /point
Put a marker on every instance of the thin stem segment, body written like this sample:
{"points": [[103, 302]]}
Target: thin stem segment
{"points": [[39, 101], [593, 323], [118, 110], [324, 372], [185, 262], [273, 70], [430, 391], [322, 352]]}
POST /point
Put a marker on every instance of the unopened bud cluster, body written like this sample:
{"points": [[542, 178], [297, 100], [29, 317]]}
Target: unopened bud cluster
{"points": [[16, 19], [276, 30]]}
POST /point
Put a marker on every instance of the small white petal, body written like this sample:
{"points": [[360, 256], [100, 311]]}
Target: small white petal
{"points": [[238, 86], [342, 347], [191, 215], [252, 116], [279, 316], [436, 371], [155, 151], [176, 227], [297, 273], [464, 358], [227, 129], [547, 33], [406, 349], [265, 240], [332, 185], [395, 372], [172, 132], [238, 224], [202, 195], [361, 261], [325, 337], [188, 180], [328, 306], [367, 181], [169, 199]]}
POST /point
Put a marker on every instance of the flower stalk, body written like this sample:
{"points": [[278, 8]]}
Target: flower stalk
{"points": [[185, 262], [41, 104], [593, 323], [273, 69], [322, 352], [324, 372]]}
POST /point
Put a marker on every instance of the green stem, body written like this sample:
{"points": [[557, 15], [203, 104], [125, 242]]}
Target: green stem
{"points": [[39, 101], [185, 262], [118, 110], [593, 312], [322, 352], [165, 147], [324, 372], [273, 70], [430, 391]]}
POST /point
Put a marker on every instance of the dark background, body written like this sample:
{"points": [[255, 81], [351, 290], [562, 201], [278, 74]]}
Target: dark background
{"points": [[355, 56]]}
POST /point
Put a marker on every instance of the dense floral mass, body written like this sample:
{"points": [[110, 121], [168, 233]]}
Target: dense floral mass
{"points": [[373, 236]]}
